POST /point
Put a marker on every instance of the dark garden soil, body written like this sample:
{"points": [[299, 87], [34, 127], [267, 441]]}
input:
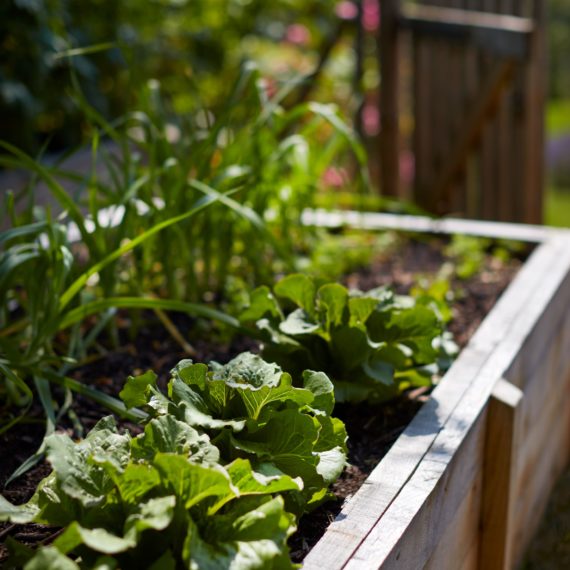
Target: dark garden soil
{"points": [[372, 430]]}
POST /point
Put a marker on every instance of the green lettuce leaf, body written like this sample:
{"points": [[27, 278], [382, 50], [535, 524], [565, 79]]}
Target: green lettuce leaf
{"points": [[137, 390], [250, 409], [166, 434], [124, 505], [370, 344]]}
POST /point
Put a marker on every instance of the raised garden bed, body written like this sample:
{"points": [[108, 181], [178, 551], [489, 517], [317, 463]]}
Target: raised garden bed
{"points": [[465, 484], [475, 446]]}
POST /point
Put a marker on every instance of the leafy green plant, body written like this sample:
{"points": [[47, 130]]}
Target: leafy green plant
{"points": [[158, 500], [332, 256], [33, 311], [155, 164], [372, 345], [437, 293], [183, 214], [468, 254], [250, 409], [34, 354]]}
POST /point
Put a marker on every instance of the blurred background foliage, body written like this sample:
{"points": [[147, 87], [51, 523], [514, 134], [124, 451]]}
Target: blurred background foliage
{"points": [[194, 49], [559, 48], [557, 206]]}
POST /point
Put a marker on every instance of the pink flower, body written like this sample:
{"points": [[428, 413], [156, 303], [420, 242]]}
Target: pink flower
{"points": [[298, 34], [270, 86], [346, 10], [336, 177], [370, 15], [407, 166], [371, 119]]}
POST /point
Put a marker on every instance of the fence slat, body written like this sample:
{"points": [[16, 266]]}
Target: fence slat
{"points": [[390, 139], [478, 119], [471, 131], [535, 96], [422, 131]]}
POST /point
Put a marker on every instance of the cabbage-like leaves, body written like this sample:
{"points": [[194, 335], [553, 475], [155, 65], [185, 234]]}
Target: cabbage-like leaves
{"points": [[370, 344], [250, 409], [125, 506]]}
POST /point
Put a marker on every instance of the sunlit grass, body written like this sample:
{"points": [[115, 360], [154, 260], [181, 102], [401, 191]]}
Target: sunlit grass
{"points": [[558, 117], [557, 207], [557, 200]]}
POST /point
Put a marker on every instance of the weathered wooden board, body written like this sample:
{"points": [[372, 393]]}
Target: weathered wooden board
{"points": [[448, 474], [543, 370], [393, 533], [375, 221], [480, 156], [501, 445], [457, 544], [424, 504]]}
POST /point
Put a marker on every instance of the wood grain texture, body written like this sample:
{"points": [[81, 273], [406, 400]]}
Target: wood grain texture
{"points": [[472, 559], [407, 537], [460, 539], [422, 457], [391, 537], [361, 512], [501, 443], [544, 371]]}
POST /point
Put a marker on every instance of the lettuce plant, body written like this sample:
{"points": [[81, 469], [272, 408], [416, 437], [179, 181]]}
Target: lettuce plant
{"points": [[159, 500], [372, 345], [250, 409]]}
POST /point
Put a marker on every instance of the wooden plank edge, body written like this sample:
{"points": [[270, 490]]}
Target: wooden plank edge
{"points": [[422, 224], [455, 430], [426, 527], [363, 510], [500, 36], [501, 442], [467, 19], [546, 333]]}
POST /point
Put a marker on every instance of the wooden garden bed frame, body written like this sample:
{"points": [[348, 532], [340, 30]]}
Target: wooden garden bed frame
{"points": [[466, 484]]}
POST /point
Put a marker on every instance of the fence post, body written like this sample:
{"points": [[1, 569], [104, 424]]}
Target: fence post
{"points": [[535, 101], [389, 115]]}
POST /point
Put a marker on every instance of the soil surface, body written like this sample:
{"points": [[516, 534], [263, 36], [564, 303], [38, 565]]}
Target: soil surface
{"points": [[371, 430]]}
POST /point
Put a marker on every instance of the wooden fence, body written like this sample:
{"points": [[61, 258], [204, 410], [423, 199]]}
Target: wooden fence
{"points": [[478, 69]]}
